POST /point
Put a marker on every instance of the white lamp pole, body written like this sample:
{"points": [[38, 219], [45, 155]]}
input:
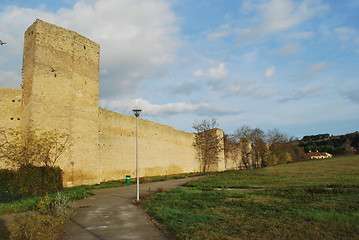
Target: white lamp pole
{"points": [[137, 113]]}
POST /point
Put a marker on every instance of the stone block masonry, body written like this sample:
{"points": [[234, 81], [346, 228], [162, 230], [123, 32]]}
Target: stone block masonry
{"points": [[60, 91], [162, 149]]}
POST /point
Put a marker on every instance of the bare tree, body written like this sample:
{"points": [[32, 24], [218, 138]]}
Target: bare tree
{"points": [[259, 146], [32, 147], [252, 145], [232, 152], [274, 136], [260, 149], [207, 142], [282, 148]]}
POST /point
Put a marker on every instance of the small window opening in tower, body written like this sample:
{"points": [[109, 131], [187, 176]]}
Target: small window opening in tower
{"points": [[18, 119], [84, 47], [55, 75], [11, 118], [13, 100]]}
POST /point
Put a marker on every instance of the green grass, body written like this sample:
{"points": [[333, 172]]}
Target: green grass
{"points": [[306, 200], [326, 172], [77, 193]]}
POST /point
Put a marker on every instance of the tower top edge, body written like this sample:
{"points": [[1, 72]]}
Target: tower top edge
{"points": [[40, 24]]}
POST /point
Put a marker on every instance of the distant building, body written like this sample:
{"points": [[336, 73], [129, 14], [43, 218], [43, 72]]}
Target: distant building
{"points": [[319, 155], [351, 149]]}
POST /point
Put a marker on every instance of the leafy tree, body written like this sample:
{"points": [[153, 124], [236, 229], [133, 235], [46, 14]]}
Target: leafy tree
{"points": [[331, 144], [18, 148], [207, 142]]}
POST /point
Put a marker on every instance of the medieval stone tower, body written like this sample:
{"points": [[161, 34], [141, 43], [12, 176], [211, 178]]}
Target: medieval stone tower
{"points": [[60, 89]]}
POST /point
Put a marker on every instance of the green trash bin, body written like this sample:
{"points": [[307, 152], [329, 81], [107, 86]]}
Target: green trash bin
{"points": [[128, 179]]}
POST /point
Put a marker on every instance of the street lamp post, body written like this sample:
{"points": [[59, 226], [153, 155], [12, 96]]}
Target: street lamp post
{"points": [[137, 113]]}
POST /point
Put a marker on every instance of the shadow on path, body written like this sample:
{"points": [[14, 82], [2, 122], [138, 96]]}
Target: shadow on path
{"points": [[84, 228]]}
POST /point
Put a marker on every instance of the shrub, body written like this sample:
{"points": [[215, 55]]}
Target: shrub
{"points": [[8, 189], [57, 206], [38, 181], [29, 181]]}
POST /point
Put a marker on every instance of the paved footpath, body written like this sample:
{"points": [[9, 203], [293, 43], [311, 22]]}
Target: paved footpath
{"points": [[109, 214]]}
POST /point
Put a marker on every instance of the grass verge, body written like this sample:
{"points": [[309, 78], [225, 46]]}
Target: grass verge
{"points": [[77, 193], [46, 223], [306, 200]]}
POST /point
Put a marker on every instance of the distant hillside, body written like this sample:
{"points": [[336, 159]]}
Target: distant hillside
{"points": [[331, 144]]}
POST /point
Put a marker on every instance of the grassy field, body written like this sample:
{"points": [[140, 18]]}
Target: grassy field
{"points": [[307, 200]]}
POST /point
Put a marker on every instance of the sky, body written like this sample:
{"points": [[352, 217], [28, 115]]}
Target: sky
{"points": [[286, 64]]}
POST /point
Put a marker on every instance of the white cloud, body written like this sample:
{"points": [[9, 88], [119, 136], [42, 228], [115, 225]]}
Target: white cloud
{"points": [[250, 57], [242, 88], [278, 15], [221, 32], [300, 94], [299, 35], [137, 38], [199, 73], [318, 66], [7, 79], [270, 72], [216, 35], [182, 88], [351, 94], [347, 34], [150, 109], [219, 72], [288, 49]]}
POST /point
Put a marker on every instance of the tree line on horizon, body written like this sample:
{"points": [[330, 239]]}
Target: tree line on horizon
{"points": [[332, 144], [256, 147]]}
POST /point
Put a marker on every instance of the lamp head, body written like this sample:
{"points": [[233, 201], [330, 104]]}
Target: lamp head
{"points": [[137, 112]]}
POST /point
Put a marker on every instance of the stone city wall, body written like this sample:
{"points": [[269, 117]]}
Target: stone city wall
{"points": [[10, 110], [10, 105], [162, 149], [60, 92]]}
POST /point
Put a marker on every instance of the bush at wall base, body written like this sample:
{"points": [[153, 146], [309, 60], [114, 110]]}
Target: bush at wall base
{"points": [[28, 181]]}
